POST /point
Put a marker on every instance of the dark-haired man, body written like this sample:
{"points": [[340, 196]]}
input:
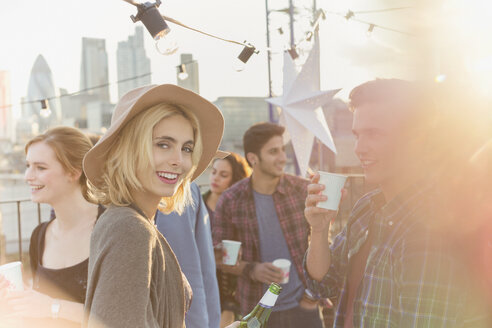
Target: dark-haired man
{"points": [[392, 266], [266, 214]]}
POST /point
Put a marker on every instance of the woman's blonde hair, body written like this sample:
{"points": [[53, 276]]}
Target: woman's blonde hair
{"points": [[132, 151], [70, 146]]}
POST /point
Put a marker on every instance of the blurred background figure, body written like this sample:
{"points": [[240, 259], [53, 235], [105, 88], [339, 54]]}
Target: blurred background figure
{"points": [[59, 248], [190, 238], [225, 172]]}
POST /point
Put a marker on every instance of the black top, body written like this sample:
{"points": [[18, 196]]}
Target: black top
{"points": [[68, 283]]}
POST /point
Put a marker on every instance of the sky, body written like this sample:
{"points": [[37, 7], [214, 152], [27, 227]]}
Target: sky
{"points": [[54, 28]]}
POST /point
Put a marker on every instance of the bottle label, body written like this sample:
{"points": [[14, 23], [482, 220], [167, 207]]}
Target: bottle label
{"points": [[268, 300], [254, 323]]}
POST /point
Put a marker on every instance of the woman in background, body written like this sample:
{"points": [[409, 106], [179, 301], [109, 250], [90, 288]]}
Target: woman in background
{"points": [[59, 248], [225, 173]]}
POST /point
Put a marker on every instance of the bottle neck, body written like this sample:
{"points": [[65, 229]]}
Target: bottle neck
{"points": [[268, 300]]}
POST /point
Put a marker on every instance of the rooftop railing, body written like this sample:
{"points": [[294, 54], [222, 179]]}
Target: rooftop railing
{"points": [[355, 185]]}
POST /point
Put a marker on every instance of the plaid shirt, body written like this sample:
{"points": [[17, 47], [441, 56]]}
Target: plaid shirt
{"points": [[410, 278], [235, 219]]}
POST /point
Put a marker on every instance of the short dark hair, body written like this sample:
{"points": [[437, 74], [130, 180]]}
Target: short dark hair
{"points": [[390, 90], [258, 135]]}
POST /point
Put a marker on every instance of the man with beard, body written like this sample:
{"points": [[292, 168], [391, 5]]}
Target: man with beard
{"points": [[265, 212]]}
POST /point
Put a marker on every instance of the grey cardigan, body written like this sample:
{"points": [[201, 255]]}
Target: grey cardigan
{"points": [[134, 277]]}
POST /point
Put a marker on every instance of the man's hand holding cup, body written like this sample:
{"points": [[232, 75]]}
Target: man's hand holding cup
{"points": [[323, 200]]}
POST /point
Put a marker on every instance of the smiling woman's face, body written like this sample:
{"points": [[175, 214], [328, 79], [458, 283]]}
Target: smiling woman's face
{"points": [[172, 148], [46, 176]]}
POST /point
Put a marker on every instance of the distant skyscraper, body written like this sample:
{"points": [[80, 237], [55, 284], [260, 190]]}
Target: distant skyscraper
{"points": [[94, 68], [132, 61], [5, 112], [192, 81], [240, 113], [41, 86]]}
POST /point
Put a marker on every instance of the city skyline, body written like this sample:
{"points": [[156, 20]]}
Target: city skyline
{"points": [[57, 35], [132, 61]]}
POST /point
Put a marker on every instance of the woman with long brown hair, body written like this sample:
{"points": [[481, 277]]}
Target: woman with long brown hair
{"points": [[59, 248]]}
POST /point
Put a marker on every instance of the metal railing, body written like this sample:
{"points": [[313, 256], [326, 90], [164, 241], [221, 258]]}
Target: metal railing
{"points": [[355, 185], [19, 220]]}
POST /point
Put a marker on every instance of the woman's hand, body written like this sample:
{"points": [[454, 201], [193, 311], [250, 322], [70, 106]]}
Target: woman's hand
{"points": [[318, 218], [234, 325], [29, 303]]}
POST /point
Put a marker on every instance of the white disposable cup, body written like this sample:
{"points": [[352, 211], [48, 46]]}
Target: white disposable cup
{"points": [[284, 265], [230, 250], [13, 273], [333, 189]]}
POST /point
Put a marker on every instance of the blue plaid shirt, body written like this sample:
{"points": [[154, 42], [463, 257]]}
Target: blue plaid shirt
{"points": [[410, 278]]}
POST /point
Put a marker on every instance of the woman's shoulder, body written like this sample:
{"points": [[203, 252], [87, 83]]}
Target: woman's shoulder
{"points": [[123, 220], [39, 231]]}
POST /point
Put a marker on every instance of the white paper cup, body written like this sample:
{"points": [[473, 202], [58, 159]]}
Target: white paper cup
{"points": [[284, 265], [333, 189], [13, 273], [230, 250]]}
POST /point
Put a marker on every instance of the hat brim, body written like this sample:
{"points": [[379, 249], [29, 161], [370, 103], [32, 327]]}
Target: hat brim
{"points": [[210, 120]]}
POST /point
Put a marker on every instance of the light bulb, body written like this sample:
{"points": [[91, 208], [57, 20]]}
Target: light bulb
{"points": [[238, 65], [183, 76], [166, 43], [45, 112], [244, 56], [440, 78], [370, 30]]}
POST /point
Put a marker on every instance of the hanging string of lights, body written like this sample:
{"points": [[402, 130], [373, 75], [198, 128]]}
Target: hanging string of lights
{"points": [[156, 25], [351, 15], [44, 101], [376, 11]]}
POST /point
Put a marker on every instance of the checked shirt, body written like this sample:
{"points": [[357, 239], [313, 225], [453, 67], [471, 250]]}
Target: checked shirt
{"points": [[411, 279], [235, 219]]}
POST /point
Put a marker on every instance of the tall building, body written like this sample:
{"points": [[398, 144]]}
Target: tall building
{"points": [[41, 86], [94, 68], [132, 61], [239, 114], [191, 81], [6, 130]]}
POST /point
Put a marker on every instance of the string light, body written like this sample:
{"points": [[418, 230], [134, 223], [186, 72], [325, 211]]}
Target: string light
{"points": [[440, 78], [44, 104], [369, 30], [182, 74], [293, 53], [380, 10], [244, 56], [45, 101], [350, 15], [45, 108], [148, 13]]}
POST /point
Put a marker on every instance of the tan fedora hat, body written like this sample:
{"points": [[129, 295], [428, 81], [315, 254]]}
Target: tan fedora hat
{"points": [[135, 101]]}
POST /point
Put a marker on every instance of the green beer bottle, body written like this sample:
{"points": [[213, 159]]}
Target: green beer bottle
{"points": [[260, 314]]}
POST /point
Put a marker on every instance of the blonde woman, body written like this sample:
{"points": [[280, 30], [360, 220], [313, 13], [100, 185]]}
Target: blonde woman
{"points": [[160, 139], [59, 248]]}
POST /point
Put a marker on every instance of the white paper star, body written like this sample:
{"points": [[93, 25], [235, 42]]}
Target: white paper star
{"points": [[301, 104]]}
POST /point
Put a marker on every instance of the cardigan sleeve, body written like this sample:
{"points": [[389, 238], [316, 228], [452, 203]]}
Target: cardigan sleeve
{"points": [[120, 265]]}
